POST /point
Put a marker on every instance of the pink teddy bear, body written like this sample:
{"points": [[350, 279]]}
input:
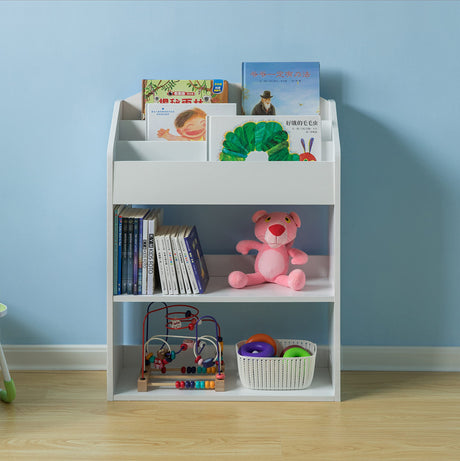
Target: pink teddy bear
{"points": [[277, 232]]}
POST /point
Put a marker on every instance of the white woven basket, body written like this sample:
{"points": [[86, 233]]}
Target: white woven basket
{"points": [[278, 373]]}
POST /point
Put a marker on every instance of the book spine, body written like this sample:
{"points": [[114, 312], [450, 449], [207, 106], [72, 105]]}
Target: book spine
{"points": [[124, 257], [140, 256], [164, 251], [177, 265], [135, 255], [188, 288], [194, 263], [130, 256], [119, 253], [188, 265], [171, 265], [145, 234], [151, 252], [180, 254], [115, 251], [161, 270]]}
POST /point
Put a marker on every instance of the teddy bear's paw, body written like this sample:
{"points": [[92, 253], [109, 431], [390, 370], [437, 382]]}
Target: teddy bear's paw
{"points": [[237, 279], [296, 279]]}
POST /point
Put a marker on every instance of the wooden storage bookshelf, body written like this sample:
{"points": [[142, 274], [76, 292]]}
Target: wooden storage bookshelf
{"points": [[134, 177]]}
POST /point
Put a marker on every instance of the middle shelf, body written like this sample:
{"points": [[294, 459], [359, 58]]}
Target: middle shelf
{"points": [[319, 286]]}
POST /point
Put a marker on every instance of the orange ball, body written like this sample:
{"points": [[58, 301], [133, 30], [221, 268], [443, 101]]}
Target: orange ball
{"points": [[261, 337]]}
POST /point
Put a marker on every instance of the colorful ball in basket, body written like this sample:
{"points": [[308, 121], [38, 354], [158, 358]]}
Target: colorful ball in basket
{"points": [[256, 349], [260, 337], [295, 351]]}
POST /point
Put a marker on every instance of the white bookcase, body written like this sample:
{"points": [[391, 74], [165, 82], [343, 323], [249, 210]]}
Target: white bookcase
{"points": [[136, 177]]}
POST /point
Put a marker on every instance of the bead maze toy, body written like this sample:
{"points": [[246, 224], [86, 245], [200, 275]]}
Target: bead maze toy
{"points": [[9, 393], [200, 355]]}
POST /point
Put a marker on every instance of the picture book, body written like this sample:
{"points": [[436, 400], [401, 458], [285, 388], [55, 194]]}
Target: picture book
{"points": [[181, 263], [280, 88], [128, 254], [150, 225], [184, 91], [271, 138], [163, 268], [185, 230], [196, 258], [181, 122], [117, 244]]}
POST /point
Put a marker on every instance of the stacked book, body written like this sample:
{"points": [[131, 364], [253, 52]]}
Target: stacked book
{"points": [[181, 262], [146, 251]]}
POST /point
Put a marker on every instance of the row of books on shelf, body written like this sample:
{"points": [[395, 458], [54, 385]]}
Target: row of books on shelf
{"points": [[146, 252]]}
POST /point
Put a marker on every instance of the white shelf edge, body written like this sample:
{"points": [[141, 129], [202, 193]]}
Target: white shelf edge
{"points": [[318, 287], [321, 389]]}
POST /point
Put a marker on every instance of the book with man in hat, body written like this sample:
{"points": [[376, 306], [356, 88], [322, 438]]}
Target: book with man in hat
{"points": [[280, 88]]}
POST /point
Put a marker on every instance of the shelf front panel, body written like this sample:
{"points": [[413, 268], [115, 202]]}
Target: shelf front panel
{"points": [[319, 287], [223, 183]]}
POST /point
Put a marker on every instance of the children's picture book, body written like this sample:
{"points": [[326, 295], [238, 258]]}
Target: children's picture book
{"points": [[182, 122], [181, 263], [117, 245], [150, 225], [280, 88], [129, 231], [270, 138], [196, 258], [184, 92]]}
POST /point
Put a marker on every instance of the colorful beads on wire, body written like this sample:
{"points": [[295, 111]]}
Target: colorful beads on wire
{"points": [[195, 384]]}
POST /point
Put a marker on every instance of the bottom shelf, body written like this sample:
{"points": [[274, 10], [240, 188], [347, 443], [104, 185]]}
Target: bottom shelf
{"points": [[321, 389]]}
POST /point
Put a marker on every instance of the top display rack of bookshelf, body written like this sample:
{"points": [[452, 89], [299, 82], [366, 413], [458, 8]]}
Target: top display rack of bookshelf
{"points": [[132, 162]]}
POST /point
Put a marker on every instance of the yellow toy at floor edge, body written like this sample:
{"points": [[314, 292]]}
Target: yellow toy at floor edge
{"points": [[9, 393]]}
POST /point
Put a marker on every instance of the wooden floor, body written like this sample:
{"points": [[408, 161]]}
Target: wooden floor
{"points": [[392, 416]]}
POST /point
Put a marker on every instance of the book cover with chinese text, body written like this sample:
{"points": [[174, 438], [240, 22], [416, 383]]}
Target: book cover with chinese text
{"points": [[271, 138], [187, 91], [281, 88]]}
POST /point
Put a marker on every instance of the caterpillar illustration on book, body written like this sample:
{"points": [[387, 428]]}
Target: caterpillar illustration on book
{"points": [[269, 137], [190, 125]]}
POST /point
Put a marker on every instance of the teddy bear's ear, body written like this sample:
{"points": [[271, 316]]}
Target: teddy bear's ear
{"points": [[257, 215], [295, 218]]}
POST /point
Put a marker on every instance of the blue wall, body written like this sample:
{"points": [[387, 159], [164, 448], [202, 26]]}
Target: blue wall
{"points": [[393, 69]]}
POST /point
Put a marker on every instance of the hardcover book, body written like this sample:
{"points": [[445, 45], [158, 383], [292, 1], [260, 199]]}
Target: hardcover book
{"points": [[128, 254], [280, 88], [181, 122], [271, 138], [184, 91], [151, 223], [196, 258]]}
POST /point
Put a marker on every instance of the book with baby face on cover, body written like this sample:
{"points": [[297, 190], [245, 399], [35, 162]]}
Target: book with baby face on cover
{"points": [[181, 122]]}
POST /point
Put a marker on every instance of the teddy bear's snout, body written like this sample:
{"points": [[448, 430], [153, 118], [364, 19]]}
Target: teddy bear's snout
{"points": [[276, 229]]}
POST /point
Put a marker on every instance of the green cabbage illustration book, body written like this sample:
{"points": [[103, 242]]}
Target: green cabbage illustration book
{"points": [[255, 138]]}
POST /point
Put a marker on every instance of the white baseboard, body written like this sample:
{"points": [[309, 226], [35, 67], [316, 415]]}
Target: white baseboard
{"points": [[56, 357], [391, 358], [366, 358]]}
